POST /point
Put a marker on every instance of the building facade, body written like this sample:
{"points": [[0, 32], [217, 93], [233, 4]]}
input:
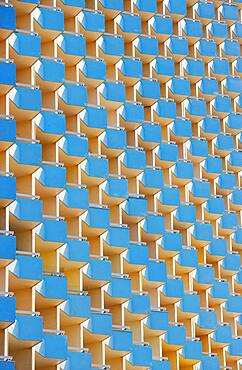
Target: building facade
{"points": [[120, 185]]}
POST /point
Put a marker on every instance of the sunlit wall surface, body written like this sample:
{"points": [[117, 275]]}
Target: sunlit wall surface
{"points": [[120, 185]]}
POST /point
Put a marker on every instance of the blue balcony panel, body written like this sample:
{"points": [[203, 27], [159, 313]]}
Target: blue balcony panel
{"points": [[27, 267], [128, 23], [53, 347], [7, 75], [77, 361], [199, 188], [137, 254], [121, 340], [185, 214], [153, 224], [93, 120], [163, 68], [202, 233], [147, 90], [25, 44], [117, 236], [92, 22], [53, 288], [115, 187], [218, 30], [7, 189], [119, 288], [75, 251], [155, 272], [161, 26], [204, 275], [77, 306], [204, 10], [193, 68], [172, 241], [195, 108], [164, 111], [73, 95], [7, 247], [176, 335], [220, 290], [71, 44], [49, 19], [51, 125], [74, 200], [181, 130], [187, 259], [100, 323], [95, 167], [149, 134], [151, 178], [141, 355], [73, 148], [219, 67], [173, 289], [230, 49], [212, 166], [110, 46], [176, 47], [229, 12], [223, 333], [8, 18], [231, 261], [192, 349], [210, 362], [7, 309], [146, 47], [130, 68], [190, 303], [217, 247], [97, 217], [26, 98], [143, 6], [27, 328], [210, 127], [99, 269], [157, 320], [27, 212], [207, 319], [166, 154], [50, 71]]}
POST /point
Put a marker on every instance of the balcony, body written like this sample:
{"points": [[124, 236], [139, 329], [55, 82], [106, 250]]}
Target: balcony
{"points": [[130, 115], [210, 127], [172, 291], [7, 188], [134, 208], [7, 309], [222, 335], [111, 94], [191, 28], [235, 199], [193, 68], [51, 290], [51, 233], [160, 25], [204, 277], [149, 135], [138, 306], [206, 49], [129, 70], [8, 131], [25, 212], [233, 122], [91, 23], [180, 130], [218, 30], [230, 49], [50, 178], [199, 190], [201, 233], [120, 341], [228, 223], [226, 183], [53, 348], [145, 47], [113, 141], [110, 47], [133, 161], [24, 101], [157, 322], [175, 336], [49, 73], [25, 270], [48, 18], [219, 67], [8, 20], [8, 247], [7, 74], [76, 309], [207, 88], [212, 167], [73, 200], [178, 88], [99, 326], [210, 362], [50, 125], [214, 207], [171, 243], [184, 216], [182, 172], [194, 108], [94, 169], [76, 358], [150, 180], [231, 263], [116, 239], [232, 86], [162, 68], [176, 47], [192, 351], [155, 273], [233, 305], [27, 331], [187, 259], [72, 97], [93, 120], [136, 257], [189, 306], [219, 292], [95, 220], [118, 290], [147, 90], [207, 320], [177, 11], [166, 154], [128, 24], [160, 363], [6, 363], [71, 47], [217, 249], [73, 148], [74, 253], [228, 12], [114, 190], [97, 272], [221, 106], [204, 11], [144, 8], [168, 199], [25, 156], [141, 355], [163, 111], [24, 46], [152, 227]]}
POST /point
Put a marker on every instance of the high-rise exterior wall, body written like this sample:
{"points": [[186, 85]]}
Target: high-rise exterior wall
{"points": [[120, 185]]}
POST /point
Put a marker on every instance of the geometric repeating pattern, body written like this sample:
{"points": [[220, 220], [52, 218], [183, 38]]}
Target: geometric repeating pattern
{"points": [[120, 184]]}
